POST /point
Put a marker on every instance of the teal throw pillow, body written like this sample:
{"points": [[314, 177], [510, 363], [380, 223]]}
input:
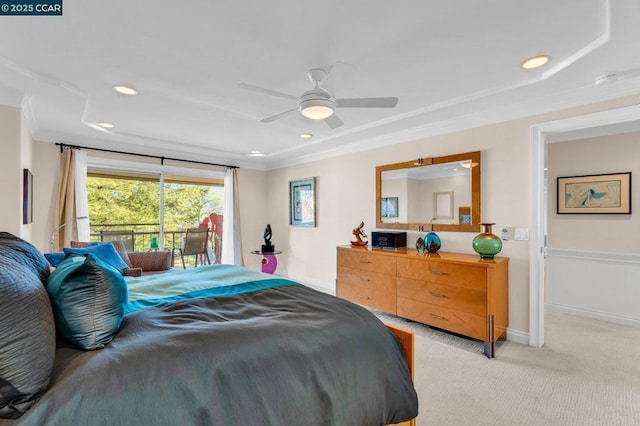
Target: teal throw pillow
{"points": [[88, 297], [105, 252]]}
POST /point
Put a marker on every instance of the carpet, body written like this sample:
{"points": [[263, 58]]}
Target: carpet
{"points": [[587, 374]]}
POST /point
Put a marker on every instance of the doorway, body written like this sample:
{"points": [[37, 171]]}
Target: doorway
{"points": [[590, 125]]}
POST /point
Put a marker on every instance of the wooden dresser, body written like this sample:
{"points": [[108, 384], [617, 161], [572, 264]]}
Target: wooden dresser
{"points": [[452, 291]]}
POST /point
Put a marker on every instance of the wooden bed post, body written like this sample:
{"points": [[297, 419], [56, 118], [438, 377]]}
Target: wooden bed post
{"points": [[406, 340]]}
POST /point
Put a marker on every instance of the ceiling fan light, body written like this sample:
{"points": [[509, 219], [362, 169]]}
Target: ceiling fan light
{"points": [[317, 112], [317, 109]]}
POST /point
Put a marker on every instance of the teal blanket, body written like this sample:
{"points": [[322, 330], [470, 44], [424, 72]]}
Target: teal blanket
{"points": [[196, 283]]}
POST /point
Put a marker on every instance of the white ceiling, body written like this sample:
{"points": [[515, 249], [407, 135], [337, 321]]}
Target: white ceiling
{"points": [[451, 64]]}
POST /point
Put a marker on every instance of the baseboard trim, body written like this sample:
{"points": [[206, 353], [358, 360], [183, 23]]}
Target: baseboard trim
{"points": [[618, 319], [314, 283], [517, 336]]}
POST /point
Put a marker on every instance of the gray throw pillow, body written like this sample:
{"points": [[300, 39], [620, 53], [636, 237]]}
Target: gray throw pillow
{"points": [[27, 336], [25, 254]]}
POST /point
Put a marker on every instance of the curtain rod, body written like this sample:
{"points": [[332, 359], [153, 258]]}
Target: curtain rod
{"points": [[63, 145]]}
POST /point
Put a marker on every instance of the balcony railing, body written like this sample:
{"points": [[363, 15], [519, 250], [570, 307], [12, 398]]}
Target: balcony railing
{"points": [[137, 236], [146, 237]]}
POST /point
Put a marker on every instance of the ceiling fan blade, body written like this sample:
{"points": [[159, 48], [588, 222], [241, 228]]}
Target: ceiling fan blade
{"points": [[277, 116], [267, 91], [367, 103], [333, 121]]}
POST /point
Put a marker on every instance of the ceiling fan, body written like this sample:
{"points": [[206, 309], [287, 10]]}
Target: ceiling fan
{"points": [[320, 104], [612, 77]]}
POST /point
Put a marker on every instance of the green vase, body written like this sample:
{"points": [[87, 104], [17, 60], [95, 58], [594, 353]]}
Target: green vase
{"points": [[485, 243]]}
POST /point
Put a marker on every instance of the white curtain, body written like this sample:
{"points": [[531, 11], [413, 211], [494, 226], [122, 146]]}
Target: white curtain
{"points": [[231, 239], [82, 199]]}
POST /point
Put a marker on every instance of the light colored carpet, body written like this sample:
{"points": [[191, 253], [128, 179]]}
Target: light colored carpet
{"points": [[588, 373]]}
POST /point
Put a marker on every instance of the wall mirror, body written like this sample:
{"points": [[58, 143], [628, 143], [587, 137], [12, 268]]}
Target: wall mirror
{"points": [[439, 193]]}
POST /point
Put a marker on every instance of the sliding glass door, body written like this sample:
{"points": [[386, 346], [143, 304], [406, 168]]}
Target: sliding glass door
{"points": [[152, 211]]}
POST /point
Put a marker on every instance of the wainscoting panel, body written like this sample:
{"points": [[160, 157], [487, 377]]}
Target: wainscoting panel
{"points": [[598, 285]]}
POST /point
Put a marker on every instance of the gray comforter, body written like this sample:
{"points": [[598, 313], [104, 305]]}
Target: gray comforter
{"points": [[287, 355]]}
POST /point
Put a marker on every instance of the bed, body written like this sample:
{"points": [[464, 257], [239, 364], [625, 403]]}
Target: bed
{"points": [[221, 344]]}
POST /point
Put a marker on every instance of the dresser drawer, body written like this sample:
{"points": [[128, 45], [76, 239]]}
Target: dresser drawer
{"points": [[444, 273], [365, 260], [366, 278], [458, 322], [459, 298], [382, 299]]}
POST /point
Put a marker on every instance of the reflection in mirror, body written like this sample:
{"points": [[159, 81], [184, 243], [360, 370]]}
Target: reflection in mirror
{"points": [[443, 204], [389, 207], [425, 194], [441, 193]]}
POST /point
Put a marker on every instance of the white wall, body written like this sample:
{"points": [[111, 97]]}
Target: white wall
{"points": [[11, 167], [46, 171], [16, 154], [254, 214], [26, 162]]}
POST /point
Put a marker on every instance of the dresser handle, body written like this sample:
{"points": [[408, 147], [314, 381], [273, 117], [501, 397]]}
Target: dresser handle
{"points": [[364, 261], [434, 294], [364, 280], [437, 272], [363, 297], [436, 316]]}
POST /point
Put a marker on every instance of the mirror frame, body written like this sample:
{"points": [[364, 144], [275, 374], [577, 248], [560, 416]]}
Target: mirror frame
{"points": [[474, 226]]}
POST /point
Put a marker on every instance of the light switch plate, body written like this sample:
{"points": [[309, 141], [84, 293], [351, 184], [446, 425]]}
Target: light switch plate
{"points": [[521, 234]]}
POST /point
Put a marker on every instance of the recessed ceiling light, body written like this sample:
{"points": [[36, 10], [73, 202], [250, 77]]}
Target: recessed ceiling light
{"points": [[256, 154], [535, 62], [105, 125], [125, 90], [306, 135]]}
